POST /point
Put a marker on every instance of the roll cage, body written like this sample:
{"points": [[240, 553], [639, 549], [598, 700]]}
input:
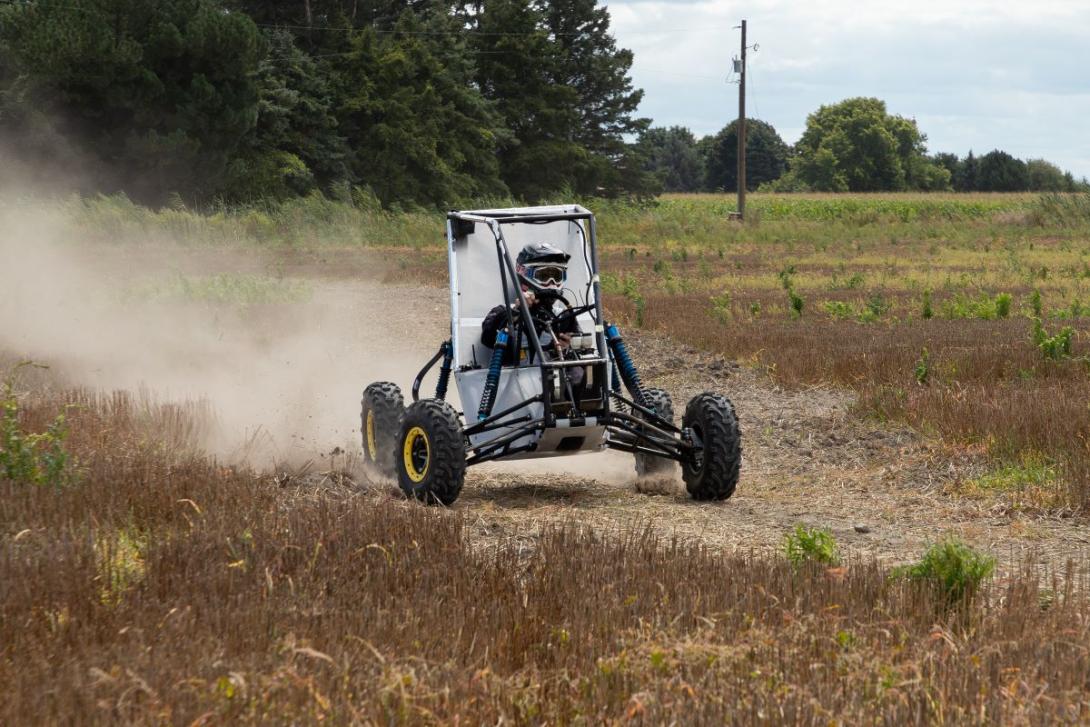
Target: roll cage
{"points": [[547, 419]]}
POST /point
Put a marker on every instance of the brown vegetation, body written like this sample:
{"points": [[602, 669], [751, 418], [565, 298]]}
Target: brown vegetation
{"points": [[986, 382], [163, 587]]}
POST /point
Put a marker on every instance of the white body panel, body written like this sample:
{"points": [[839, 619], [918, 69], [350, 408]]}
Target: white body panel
{"points": [[475, 289]]}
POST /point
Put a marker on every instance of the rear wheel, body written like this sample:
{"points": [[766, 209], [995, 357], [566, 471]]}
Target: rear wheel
{"points": [[431, 452], [380, 412], [711, 470], [648, 465]]}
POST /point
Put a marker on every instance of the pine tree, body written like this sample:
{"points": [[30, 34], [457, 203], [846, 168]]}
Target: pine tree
{"points": [[419, 131], [590, 63], [155, 96], [295, 145], [514, 58]]}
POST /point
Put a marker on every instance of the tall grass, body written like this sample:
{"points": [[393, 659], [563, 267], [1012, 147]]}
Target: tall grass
{"points": [[167, 588], [699, 220], [1064, 210]]}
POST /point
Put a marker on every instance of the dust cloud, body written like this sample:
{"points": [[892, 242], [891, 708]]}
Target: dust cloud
{"points": [[283, 378]]}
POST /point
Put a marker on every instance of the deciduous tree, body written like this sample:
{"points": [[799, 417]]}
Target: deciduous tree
{"points": [[671, 154], [855, 145], [766, 156]]}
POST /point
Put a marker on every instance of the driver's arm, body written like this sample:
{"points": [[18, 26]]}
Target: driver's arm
{"points": [[493, 323]]}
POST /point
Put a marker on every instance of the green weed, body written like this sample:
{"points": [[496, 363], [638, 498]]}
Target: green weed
{"points": [[983, 307], [875, 307], [120, 564], [955, 568], [721, 306], [838, 309], [1053, 347], [37, 459], [922, 371], [816, 545], [1030, 471]]}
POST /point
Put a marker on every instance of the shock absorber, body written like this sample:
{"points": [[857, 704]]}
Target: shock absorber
{"points": [[492, 383], [623, 361], [444, 371]]}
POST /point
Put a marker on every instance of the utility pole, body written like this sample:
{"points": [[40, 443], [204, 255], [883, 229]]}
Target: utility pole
{"points": [[742, 131]]}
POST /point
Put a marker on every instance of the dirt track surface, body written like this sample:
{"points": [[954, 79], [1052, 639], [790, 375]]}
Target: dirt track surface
{"points": [[807, 458]]}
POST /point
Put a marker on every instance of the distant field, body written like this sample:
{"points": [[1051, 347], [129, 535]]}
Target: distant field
{"points": [[964, 315]]}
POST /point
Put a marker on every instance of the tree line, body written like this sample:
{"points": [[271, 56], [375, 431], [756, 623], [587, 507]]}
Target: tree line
{"points": [[396, 101], [851, 146]]}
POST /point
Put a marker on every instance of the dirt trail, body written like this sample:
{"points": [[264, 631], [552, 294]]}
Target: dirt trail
{"points": [[807, 459], [296, 372]]}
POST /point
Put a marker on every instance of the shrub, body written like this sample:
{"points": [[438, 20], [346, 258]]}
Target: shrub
{"points": [[796, 303], [876, 306], [953, 567], [983, 307], [1035, 304], [815, 545], [1052, 347], [927, 312]]}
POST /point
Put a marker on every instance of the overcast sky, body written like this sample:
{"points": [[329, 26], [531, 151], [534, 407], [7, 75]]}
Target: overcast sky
{"points": [[976, 74]]}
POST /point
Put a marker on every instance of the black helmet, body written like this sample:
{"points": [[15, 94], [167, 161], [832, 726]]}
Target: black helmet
{"points": [[541, 252], [542, 267]]}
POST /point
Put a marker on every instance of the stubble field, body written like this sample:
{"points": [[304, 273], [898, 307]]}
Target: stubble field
{"points": [[202, 547]]}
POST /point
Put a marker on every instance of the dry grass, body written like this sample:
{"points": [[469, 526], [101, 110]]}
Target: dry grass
{"points": [[987, 383], [165, 588]]}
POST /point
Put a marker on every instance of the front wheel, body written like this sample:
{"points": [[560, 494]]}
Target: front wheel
{"points": [[431, 452], [711, 470]]}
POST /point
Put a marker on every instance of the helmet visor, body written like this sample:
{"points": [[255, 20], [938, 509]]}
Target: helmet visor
{"points": [[548, 274]]}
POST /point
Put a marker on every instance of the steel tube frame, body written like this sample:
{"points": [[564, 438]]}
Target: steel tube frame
{"points": [[477, 428], [486, 451], [424, 372]]}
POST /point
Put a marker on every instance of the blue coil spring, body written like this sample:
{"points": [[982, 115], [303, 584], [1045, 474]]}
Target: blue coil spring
{"points": [[444, 371], [629, 374], [491, 384]]}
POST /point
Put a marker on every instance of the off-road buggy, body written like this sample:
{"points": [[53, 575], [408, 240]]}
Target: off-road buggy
{"points": [[531, 408]]}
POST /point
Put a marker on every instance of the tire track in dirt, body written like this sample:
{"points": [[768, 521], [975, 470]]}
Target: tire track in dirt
{"points": [[807, 458]]}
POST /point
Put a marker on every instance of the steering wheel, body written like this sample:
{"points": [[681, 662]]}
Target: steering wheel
{"points": [[571, 312], [544, 313]]}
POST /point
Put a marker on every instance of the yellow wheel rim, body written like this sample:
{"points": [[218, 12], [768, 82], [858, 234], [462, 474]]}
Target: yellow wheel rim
{"points": [[417, 454], [372, 450]]}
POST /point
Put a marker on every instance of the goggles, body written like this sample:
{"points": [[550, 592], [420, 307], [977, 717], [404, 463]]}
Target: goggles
{"points": [[547, 274]]}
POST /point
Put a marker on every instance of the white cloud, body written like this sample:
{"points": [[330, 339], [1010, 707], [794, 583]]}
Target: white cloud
{"points": [[977, 74]]}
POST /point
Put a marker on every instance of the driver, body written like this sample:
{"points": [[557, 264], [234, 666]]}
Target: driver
{"points": [[542, 270]]}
